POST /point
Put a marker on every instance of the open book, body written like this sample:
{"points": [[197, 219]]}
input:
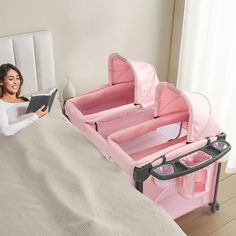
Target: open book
{"points": [[38, 100]]}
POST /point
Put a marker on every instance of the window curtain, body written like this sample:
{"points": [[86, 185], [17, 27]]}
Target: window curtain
{"points": [[208, 61]]}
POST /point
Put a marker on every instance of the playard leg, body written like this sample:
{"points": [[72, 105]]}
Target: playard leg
{"points": [[139, 186], [140, 175], [214, 206]]}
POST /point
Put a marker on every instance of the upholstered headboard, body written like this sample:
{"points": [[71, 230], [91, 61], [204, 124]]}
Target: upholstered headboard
{"points": [[32, 53]]}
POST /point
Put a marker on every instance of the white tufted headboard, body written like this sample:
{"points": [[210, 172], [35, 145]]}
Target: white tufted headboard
{"points": [[32, 53]]}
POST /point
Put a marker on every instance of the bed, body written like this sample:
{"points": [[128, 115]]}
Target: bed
{"points": [[53, 181]]}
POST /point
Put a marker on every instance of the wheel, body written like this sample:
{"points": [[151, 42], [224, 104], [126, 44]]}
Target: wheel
{"points": [[214, 206]]}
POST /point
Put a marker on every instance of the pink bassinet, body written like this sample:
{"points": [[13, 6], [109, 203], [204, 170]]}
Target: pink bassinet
{"points": [[129, 93], [173, 158], [164, 139]]}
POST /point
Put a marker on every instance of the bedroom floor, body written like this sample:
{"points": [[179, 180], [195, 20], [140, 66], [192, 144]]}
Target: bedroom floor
{"points": [[223, 222]]}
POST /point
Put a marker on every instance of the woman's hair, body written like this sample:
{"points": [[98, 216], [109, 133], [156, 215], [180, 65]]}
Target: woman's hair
{"points": [[4, 68]]}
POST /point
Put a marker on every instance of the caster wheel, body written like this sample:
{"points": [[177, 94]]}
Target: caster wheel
{"points": [[214, 207]]}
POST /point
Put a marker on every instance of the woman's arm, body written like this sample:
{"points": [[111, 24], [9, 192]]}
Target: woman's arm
{"points": [[11, 129]]}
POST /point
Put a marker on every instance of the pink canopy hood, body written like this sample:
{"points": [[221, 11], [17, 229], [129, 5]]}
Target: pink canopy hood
{"points": [[201, 123], [143, 75]]}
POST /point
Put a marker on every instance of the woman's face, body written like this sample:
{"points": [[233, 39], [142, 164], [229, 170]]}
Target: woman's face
{"points": [[11, 82]]}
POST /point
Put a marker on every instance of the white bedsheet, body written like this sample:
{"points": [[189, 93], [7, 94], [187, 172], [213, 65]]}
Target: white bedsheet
{"points": [[55, 182]]}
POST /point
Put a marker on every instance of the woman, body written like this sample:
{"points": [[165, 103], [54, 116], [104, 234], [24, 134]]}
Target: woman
{"points": [[12, 106]]}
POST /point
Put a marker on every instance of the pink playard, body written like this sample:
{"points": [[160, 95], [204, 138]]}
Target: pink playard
{"points": [[165, 140]]}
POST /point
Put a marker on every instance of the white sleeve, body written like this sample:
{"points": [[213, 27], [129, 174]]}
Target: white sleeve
{"points": [[11, 129]]}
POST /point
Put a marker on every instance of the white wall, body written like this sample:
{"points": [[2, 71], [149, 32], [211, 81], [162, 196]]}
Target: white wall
{"points": [[85, 32]]}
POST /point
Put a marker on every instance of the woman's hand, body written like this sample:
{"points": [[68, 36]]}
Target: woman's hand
{"points": [[41, 113]]}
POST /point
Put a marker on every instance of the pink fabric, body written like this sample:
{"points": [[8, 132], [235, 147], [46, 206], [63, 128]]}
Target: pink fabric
{"points": [[169, 100], [128, 162], [119, 70], [122, 126], [195, 184], [145, 83], [106, 98], [121, 158], [201, 122], [125, 161], [148, 126], [124, 120], [142, 74], [195, 159], [189, 192], [75, 116], [131, 86], [97, 139], [141, 154], [109, 114], [154, 158], [185, 149]]}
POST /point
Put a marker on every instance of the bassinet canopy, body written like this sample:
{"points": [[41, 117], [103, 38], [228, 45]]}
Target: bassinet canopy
{"points": [[143, 75], [201, 123]]}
